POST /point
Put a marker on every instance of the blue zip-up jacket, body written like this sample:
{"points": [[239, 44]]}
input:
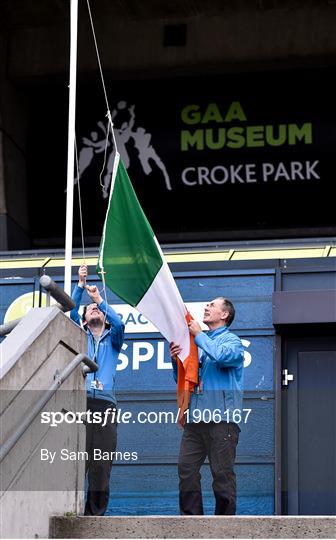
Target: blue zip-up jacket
{"points": [[108, 348], [221, 361]]}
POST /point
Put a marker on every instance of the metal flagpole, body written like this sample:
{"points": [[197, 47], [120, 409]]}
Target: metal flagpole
{"points": [[71, 145]]}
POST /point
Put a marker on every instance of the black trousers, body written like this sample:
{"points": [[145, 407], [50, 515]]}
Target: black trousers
{"points": [[218, 441], [99, 470]]}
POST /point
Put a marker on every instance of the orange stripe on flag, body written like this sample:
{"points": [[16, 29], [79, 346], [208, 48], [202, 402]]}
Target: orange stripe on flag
{"points": [[187, 376]]}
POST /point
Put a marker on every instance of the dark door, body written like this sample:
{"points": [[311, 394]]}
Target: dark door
{"points": [[309, 426]]}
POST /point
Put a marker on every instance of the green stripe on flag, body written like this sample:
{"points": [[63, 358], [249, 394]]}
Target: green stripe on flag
{"points": [[128, 255]]}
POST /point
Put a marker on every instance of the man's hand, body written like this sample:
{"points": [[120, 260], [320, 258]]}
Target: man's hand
{"points": [[82, 275], [94, 294], [174, 350], [194, 328]]}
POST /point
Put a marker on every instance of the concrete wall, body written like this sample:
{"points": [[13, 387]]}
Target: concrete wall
{"points": [[134, 46], [33, 488], [3, 227], [14, 222]]}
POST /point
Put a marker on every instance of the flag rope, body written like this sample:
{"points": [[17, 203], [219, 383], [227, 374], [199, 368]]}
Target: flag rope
{"points": [[101, 73], [104, 161], [80, 202], [97, 53], [110, 125], [103, 290]]}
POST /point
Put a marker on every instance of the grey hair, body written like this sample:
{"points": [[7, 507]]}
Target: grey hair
{"points": [[228, 306]]}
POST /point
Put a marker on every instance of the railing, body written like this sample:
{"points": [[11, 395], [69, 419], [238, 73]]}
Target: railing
{"points": [[90, 366], [6, 328], [65, 303]]}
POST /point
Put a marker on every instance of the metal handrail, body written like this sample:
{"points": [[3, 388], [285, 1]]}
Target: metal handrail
{"points": [[65, 301], [37, 408], [6, 328]]}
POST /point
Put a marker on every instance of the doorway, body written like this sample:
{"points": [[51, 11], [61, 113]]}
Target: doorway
{"points": [[309, 425]]}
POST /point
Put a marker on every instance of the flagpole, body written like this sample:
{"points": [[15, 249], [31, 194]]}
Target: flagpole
{"points": [[71, 145]]}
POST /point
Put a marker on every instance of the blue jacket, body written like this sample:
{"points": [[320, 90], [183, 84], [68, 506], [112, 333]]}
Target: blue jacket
{"points": [[220, 390], [108, 348]]}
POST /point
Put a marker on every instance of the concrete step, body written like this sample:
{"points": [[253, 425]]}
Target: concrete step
{"points": [[193, 527]]}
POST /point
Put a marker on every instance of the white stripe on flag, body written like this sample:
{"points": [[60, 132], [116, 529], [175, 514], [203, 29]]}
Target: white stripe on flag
{"points": [[163, 306]]}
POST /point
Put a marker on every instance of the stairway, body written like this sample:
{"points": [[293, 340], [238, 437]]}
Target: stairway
{"points": [[193, 527]]}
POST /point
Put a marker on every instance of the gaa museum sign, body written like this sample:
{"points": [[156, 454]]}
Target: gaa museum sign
{"points": [[233, 156]]}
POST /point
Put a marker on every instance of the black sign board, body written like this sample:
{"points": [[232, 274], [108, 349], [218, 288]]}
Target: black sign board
{"points": [[236, 156]]}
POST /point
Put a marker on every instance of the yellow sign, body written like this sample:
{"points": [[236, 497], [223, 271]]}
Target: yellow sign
{"points": [[22, 304]]}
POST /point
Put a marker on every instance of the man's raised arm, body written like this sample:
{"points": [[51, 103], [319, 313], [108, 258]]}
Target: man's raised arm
{"points": [[77, 293]]}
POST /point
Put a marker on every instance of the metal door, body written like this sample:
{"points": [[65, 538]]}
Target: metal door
{"points": [[309, 426]]}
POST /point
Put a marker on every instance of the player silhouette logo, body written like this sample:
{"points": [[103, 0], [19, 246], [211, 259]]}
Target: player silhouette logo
{"points": [[123, 118]]}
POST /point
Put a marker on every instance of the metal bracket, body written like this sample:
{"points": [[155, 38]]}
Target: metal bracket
{"points": [[57, 377]]}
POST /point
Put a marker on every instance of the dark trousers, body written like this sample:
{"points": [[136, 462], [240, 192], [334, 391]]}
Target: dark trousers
{"points": [[218, 441], [99, 470]]}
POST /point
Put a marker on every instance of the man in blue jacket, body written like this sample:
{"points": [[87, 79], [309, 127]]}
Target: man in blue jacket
{"points": [[105, 333], [211, 429]]}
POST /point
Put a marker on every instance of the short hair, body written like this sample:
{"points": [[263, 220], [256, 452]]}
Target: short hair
{"points": [[84, 314], [84, 321], [228, 306]]}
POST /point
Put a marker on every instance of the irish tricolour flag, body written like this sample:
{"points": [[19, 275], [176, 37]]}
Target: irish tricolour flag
{"points": [[134, 266]]}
